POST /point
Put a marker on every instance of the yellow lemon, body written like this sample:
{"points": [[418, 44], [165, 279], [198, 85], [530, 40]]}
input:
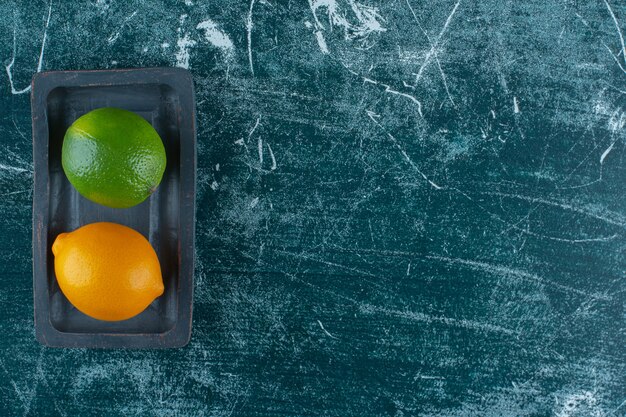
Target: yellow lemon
{"points": [[106, 270]]}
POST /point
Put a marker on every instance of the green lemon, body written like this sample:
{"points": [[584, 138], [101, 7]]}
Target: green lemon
{"points": [[113, 157]]}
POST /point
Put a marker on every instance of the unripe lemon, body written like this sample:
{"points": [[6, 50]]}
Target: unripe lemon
{"points": [[113, 157]]}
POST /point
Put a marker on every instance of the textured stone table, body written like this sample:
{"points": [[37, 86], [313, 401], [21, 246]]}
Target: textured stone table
{"points": [[404, 208]]}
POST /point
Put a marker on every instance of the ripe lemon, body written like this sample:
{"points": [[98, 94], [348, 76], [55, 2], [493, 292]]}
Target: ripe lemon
{"points": [[106, 270], [113, 157]]}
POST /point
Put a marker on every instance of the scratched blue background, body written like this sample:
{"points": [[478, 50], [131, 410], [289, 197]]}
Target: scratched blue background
{"points": [[404, 208]]}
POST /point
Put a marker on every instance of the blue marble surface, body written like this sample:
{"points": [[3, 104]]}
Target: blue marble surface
{"points": [[404, 208]]}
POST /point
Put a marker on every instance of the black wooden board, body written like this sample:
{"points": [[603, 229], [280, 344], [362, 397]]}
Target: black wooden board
{"points": [[164, 97]]}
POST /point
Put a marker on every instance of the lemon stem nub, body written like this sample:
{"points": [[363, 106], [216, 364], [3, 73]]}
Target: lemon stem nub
{"points": [[56, 246]]}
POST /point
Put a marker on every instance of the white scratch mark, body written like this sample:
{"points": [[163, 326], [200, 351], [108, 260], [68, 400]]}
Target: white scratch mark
{"points": [[114, 37], [19, 130], [506, 271], [336, 265], [617, 61], [182, 56], [619, 31], [9, 66], [15, 192], [319, 36], [409, 315], [619, 406], [435, 45], [560, 239], [321, 42], [258, 119], [515, 105], [410, 97], [389, 90], [372, 115], [617, 123], [618, 220], [615, 58], [274, 166], [260, 146], [249, 30], [217, 38], [445, 82], [582, 19], [420, 376], [12, 169], [368, 19], [434, 49], [313, 7], [326, 331], [45, 37], [606, 152], [217, 167], [537, 235], [493, 114], [254, 202], [448, 321], [408, 269]]}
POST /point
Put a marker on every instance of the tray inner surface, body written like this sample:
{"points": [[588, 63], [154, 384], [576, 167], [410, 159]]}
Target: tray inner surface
{"points": [[156, 218]]}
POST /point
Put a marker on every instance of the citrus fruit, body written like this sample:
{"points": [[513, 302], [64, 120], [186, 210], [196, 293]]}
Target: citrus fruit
{"points": [[113, 157], [107, 271]]}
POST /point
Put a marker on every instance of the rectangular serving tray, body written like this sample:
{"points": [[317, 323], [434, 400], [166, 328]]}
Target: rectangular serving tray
{"points": [[164, 97]]}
